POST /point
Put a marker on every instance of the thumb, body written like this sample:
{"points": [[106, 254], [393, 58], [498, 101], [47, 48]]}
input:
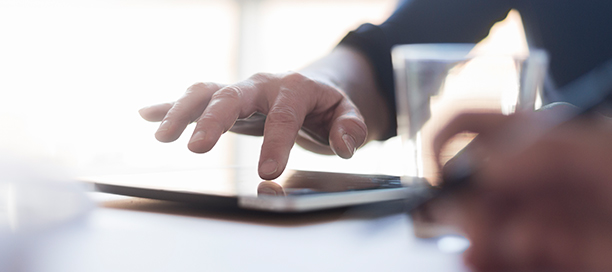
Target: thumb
{"points": [[348, 130]]}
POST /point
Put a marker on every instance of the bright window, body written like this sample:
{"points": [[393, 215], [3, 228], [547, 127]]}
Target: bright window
{"points": [[74, 73]]}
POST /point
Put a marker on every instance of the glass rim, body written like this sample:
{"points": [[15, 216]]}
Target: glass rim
{"points": [[455, 51]]}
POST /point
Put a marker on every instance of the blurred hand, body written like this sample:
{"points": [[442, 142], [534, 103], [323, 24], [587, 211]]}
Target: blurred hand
{"points": [[284, 108], [542, 200]]}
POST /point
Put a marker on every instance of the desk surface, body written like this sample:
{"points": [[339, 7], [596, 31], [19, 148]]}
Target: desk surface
{"points": [[132, 234]]}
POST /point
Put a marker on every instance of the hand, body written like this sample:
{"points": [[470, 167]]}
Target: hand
{"points": [[543, 199], [284, 108]]}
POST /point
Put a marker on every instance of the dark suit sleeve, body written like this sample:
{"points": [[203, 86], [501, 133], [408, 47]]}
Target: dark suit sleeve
{"points": [[423, 21]]}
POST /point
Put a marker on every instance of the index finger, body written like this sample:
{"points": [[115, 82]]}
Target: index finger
{"points": [[283, 123]]}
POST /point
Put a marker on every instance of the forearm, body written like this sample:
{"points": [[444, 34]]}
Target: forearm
{"points": [[350, 71]]}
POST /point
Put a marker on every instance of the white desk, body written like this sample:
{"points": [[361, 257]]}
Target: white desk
{"points": [[131, 234]]}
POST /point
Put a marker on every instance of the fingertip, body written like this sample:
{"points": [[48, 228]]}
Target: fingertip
{"points": [[155, 113], [146, 113], [162, 134], [169, 131], [164, 137], [347, 135], [201, 142], [270, 169], [199, 148], [143, 112]]}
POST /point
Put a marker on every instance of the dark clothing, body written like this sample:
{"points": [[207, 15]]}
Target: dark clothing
{"points": [[576, 34]]}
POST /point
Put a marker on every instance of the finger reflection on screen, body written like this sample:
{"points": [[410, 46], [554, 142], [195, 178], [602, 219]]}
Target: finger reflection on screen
{"points": [[271, 188]]}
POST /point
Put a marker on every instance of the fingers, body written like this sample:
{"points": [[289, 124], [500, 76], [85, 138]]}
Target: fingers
{"points": [[348, 130], [347, 133], [284, 120], [282, 105], [155, 113], [225, 107], [321, 110], [185, 110]]}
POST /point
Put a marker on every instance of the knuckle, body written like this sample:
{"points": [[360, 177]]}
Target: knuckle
{"points": [[262, 77], [198, 86], [289, 96], [297, 79], [232, 92], [296, 83], [202, 86]]}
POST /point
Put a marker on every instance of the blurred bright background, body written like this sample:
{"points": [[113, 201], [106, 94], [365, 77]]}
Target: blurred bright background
{"points": [[73, 75]]}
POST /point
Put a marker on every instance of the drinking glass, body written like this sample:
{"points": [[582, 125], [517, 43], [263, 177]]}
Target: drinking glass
{"points": [[436, 82]]}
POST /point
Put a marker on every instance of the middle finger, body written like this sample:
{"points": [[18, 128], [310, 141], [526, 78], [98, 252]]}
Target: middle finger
{"points": [[225, 107]]}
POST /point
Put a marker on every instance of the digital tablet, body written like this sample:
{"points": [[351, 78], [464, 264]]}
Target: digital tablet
{"points": [[293, 191]]}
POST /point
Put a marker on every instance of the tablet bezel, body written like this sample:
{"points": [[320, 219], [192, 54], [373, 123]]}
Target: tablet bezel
{"points": [[412, 189]]}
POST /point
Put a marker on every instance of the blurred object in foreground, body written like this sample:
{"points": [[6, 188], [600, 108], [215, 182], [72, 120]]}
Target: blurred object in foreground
{"points": [[34, 200], [438, 82]]}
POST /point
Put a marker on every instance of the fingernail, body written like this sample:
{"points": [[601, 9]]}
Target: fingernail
{"points": [[198, 136], [269, 167], [349, 141]]}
